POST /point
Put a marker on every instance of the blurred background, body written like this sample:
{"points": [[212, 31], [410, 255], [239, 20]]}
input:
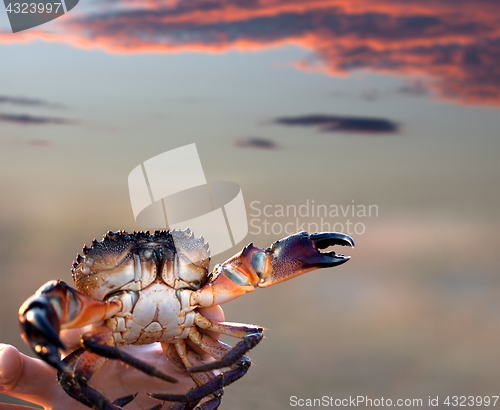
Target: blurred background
{"points": [[387, 103]]}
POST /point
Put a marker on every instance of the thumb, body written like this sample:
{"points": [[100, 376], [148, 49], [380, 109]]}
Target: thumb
{"points": [[11, 366], [25, 377]]}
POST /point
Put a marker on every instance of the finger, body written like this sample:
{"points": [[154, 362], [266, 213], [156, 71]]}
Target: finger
{"points": [[71, 339], [213, 313], [26, 378]]}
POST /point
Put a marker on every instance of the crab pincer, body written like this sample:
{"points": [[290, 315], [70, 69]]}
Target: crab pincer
{"points": [[40, 330], [285, 259], [53, 307], [299, 253]]}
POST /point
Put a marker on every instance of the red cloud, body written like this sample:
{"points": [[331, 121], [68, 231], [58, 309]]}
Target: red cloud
{"points": [[455, 45]]}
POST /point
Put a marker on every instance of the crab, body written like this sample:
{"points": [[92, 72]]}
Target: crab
{"points": [[143, 288]]}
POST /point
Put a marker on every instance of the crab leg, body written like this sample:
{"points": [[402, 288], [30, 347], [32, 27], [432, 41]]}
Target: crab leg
{"points": [[93, 342], [283, 260], [214, 348], [67, 380], [84, 365], [185, 358], [191, 359], [226, 355], [226, 328], [56, 306], [171, 352], [75, 383], [217, 383]]}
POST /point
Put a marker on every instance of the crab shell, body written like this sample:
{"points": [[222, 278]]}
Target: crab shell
{"points": [[152, 275]]}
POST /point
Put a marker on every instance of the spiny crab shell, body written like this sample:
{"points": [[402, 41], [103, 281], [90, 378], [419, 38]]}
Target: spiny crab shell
{"points": [[147, 273]]}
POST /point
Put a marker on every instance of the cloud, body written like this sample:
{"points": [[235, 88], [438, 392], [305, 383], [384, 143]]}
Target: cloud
{"points": [[34, 102], [256, 142], [454, 45], [416, 88], [27, 119], [332, 123]]}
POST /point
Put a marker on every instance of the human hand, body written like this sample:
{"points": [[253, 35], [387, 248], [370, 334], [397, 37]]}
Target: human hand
{"points": [[35, 381]]}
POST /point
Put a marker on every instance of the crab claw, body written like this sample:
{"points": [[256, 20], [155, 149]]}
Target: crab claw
{"points": [[257, 268], [40, 328], [298, 254]]}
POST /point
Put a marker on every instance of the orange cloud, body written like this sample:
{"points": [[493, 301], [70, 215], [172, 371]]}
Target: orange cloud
{"points": [[452, 44]]}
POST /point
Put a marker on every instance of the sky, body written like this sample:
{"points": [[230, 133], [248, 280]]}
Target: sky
{"points": [[388, 103]]}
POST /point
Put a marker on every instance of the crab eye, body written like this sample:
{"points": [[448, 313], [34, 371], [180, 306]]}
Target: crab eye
{"points": [[259, 262], [147, 254]]}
